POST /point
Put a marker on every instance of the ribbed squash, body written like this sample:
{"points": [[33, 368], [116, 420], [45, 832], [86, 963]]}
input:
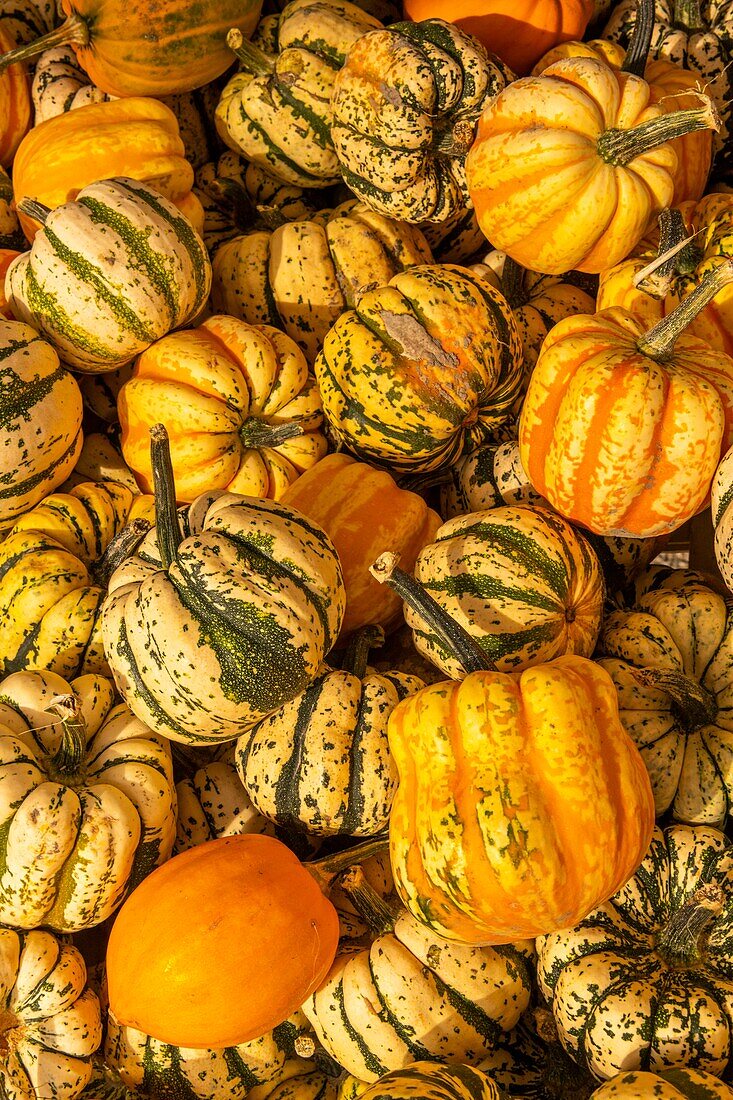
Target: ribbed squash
{"points": [[54, 568], [644, 981], [241, 409], [671, 1084], [213, 803], [7, 255], [136, 137], [423, 370], [27, 19], [16, 108], [298, 1081], [302, 276], [457, 239], [321, 763], [51, 1021], [11, 235], [428, 1081], [222, 617], [100, 393], [363, 510], [405, 107], [88, 801], [40, 421], [277, 111], [721, 494], [569, 167], [411, 995], [100, 460], [109, 274]]}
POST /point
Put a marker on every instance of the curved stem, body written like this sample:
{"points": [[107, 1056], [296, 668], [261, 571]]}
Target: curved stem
{"points": [[251, 57], [641, 39], [619, 147], [68, 757], [377, 914], [122, 546], [659, 342], [328, 868], [73, 31], [681, 942], [356, 657], [456, 139], [32, 208], [259, 433], [694, 706], [456, 640], [657, 277], [688, 16], [167, 527]]}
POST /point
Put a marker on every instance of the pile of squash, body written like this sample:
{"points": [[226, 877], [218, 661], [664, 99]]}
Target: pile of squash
{"points": [[357, 363]]}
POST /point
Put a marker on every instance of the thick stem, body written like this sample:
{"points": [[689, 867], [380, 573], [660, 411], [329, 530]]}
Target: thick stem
{"points": [[455, 140], [356, 657], [694, 706], [377, 914], [167, 527], [512, 283], [659, 342], [231, 198], [641, 39], [122, 546], [676, 254], [681, 943], [456, 640], [32, 208], [328, 868], [688, 16], [251, 57], [73, 31], [258, 433], [68, 757], [619, 147]]}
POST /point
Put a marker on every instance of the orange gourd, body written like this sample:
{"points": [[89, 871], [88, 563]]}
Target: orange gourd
{"points": [[16, 108], [519, 33], [7, 255]]}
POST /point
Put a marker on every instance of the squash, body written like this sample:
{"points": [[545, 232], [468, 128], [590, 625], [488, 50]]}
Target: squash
{"points": [[40, 402], [520, 35], [138, 48], [721, 498], [60, 84], [276, 111], [671, 1084], [255, 936], [502, 777], [298, 1081], [410, 995], [234, 605], [241, 408], [27, 19], [643, 981], [405, 106], [363, 510], [94, 810], [456, 240], [100, 393], [422, 370], [54, 567], [303, 275], [321, 762], [568, 167], [100, 460], [109, 273], [624, 393], [15, 101], [708, 228], [51, 1020], [429, 1081], [11, 235], [61, 156], [7, 255]]}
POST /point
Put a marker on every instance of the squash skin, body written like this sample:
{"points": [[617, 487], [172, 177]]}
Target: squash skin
{"points": [[566, 772], [7, 255], [11, 235], [16, 109], [431, 1081], [166, 987], [675, 1084]]}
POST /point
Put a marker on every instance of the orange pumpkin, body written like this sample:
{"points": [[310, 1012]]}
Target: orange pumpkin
{"points": [[7, 255], [16, 108], [518, 33], [363, 511]]}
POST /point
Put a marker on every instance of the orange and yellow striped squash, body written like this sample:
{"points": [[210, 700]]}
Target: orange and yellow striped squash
{"points": [[522, 802], [568, 168], [16, 108], [136, 137], [242, 410]]}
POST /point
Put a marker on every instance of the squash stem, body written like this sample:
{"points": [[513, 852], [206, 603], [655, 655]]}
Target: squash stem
{"points": [[74, 31], [456, 139], [259, 433], [619, 147], [512, 283], [681, 943], [67, 759], [694, 706], [674, 257], [356, 657], [167, 527], [251, 57], [122, 546], [379, 916], [32, 208], [328, 868], [458, 641], [687, 15], [641, 39], [659, 342], [229, 196]]}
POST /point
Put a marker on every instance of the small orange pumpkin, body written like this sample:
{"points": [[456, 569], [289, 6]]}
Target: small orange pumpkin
{"points": [[16, 108]]}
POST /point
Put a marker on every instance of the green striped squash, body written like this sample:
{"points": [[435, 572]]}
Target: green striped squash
{"points": [[523, 583], [27, 20], [671, 1084], [40, 421], [423, 370], [428, 1081], [11, 235], [87, 801], [298, 1082], [644, 981], [213, 803], [458, 239], [109, 274], [276, 110]]}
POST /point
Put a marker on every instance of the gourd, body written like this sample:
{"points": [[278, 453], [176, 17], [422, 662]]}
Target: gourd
{"points": [[298, 1082], [411, 995], [223, 615], [721, 500], [58, 158], [665, 939], [430, 1081], [554, 153], [15, 102], [27, 19], [88, 801], [637, 474], [670, 1084], [362, 510], [422, 370], [456, 240], [405, 107], [303, 275], [100, 460], [213, 803], [241, 409], [109, 274], [501, 775], [11, 235], [276, 111], [131, 49], [321, 763], [7, 255], [51, 1021], [40, 401]]}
